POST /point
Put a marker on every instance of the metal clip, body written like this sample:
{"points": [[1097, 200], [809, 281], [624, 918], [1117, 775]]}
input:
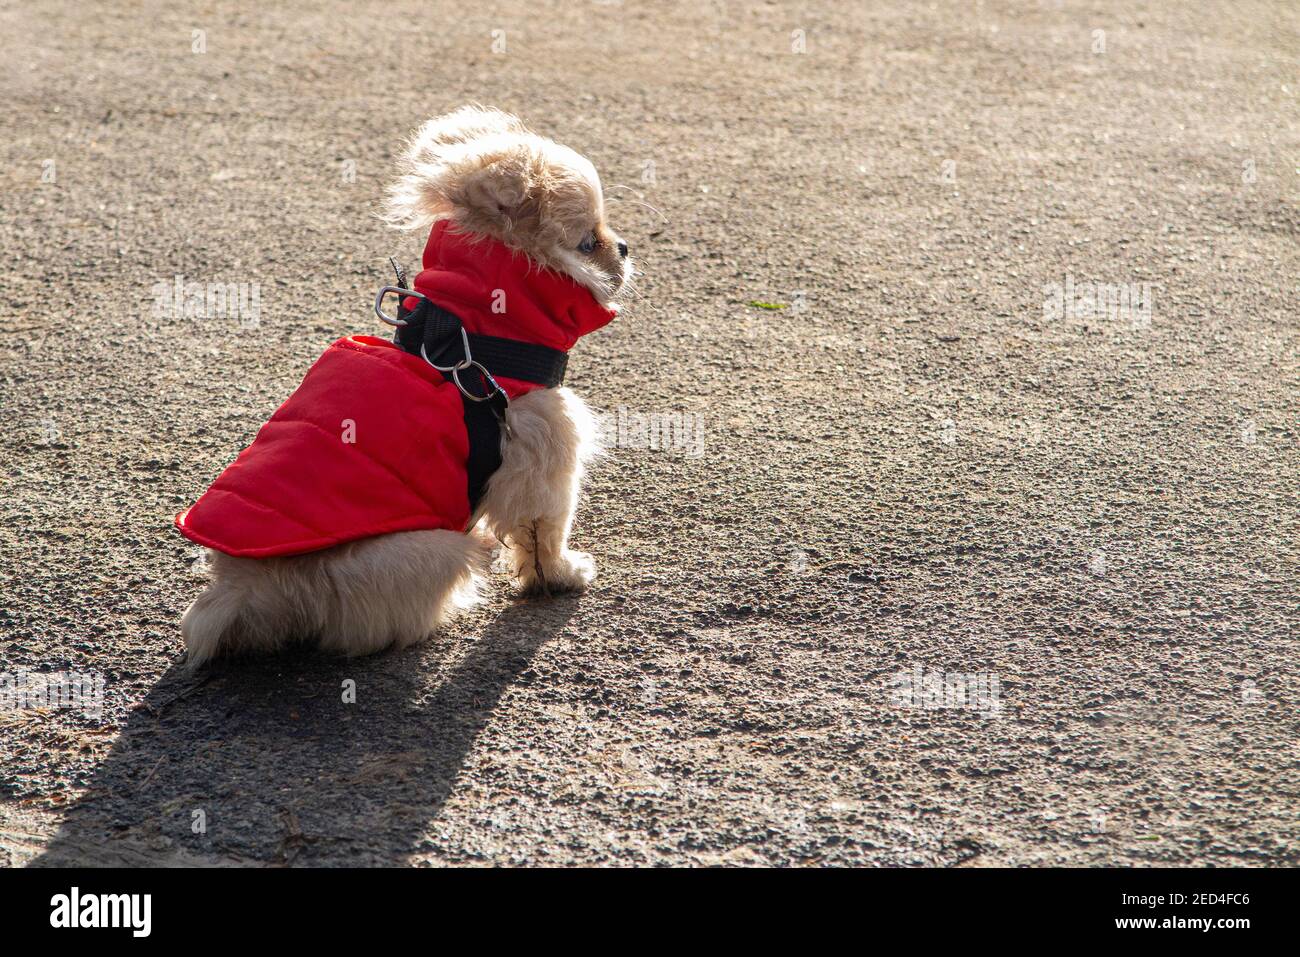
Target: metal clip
{"points": [[379, 305], [487, 380], [493, 387]]}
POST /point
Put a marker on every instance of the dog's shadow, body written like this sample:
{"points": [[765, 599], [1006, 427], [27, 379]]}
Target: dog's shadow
{"points": [[263, 761]]}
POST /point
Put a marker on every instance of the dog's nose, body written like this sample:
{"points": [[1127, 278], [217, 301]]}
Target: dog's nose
{"points": [[622, 249]]}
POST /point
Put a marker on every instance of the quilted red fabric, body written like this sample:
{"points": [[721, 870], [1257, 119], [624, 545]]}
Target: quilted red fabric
{"points": [[373, 441], [497, 291]]}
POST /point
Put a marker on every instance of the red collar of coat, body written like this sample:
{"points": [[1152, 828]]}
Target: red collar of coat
{"points": [[499, 291]]}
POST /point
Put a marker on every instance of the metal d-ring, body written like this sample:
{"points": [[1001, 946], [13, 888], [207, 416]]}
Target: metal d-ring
{"points": [[379, 305], [493, 387], [487, 379], [464, 363]]}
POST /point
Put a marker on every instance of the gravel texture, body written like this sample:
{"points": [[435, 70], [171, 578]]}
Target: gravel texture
{"points": [[914, 464]]}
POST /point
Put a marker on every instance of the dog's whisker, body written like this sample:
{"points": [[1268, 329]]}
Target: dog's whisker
{"points": [[637, 202]]}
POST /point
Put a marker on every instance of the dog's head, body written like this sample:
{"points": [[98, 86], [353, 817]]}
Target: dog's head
{"points": [[492, 176]]}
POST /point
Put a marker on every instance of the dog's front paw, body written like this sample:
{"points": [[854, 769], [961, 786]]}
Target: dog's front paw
{"points": [[570, 571], [574, 571]]}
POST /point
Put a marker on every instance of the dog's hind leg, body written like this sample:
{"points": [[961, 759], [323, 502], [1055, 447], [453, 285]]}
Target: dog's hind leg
{"points": [[530, 501]]}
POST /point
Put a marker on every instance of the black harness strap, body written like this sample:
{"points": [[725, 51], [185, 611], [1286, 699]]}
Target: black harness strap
{"points": [[513, 359], [438, 333]]}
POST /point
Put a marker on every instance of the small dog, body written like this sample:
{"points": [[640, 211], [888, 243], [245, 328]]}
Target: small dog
{"points": [[508, 208]]}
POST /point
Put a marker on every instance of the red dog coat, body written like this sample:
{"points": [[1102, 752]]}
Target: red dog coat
{"points": [[374, 440]]}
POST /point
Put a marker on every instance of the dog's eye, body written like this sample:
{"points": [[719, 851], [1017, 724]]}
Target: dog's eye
{"points": [[588, 244]]}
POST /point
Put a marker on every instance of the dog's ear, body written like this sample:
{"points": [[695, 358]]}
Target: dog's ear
{"points": [[474, 160], [496, 189]]}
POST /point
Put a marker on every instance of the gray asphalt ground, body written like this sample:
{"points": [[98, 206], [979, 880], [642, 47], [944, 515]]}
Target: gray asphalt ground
{"points": [[915, 464]]}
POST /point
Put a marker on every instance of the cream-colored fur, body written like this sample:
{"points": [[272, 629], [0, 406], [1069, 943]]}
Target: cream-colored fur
{"points": [[493, 177], [354, 599], [530, 501]]}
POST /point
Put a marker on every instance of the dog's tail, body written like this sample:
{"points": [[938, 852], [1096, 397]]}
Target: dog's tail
{"points": [[354, 599], [211, 623], [246, 608]]}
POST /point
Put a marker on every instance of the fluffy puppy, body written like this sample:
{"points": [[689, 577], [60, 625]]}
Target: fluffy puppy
{"points": [[491, 177]]}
